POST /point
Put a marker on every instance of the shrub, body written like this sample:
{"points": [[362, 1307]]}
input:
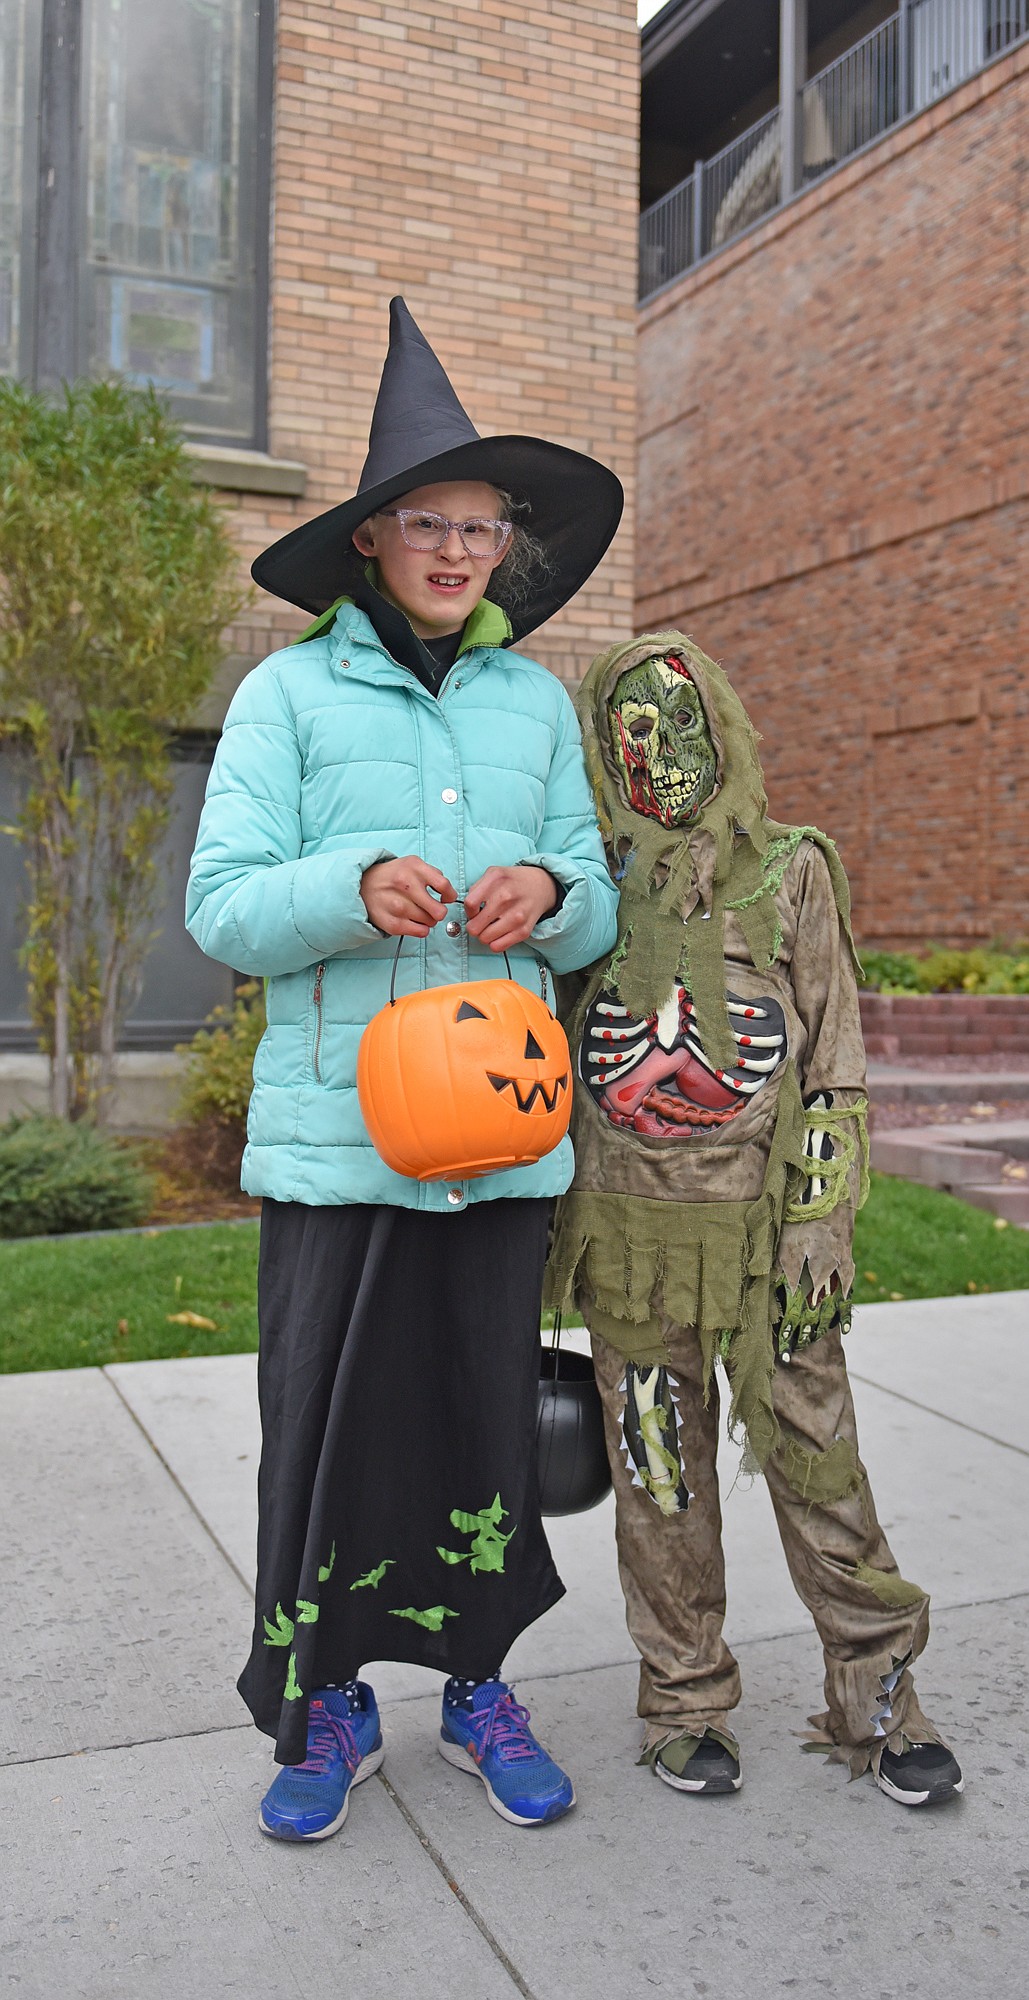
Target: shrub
{"points": [[891, 971], [117, 578], [980, 970], [55, 1177], [973, 972], [220, 1071]]}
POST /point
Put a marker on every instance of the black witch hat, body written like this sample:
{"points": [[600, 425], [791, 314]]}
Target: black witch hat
{"points": [[420, 435]]}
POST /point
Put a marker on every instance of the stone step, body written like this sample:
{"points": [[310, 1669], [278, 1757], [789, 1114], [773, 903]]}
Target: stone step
{"points": [[1004, 1198], [915, 1154], [1003, 1135]]}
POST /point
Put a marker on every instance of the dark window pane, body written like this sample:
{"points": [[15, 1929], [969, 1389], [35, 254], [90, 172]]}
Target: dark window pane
{"points": [[180, 986], [19, 47], [169, 290]]}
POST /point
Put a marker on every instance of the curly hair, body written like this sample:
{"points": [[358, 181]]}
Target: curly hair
{"points": [[526, 567]]}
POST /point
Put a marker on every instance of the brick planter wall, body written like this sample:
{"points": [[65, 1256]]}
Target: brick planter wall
{"points": [[945, 1024]]}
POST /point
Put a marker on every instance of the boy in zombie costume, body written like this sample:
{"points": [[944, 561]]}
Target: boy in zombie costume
{"points": [[719, 1129]]}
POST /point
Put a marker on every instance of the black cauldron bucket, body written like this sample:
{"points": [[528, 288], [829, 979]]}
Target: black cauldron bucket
{"points": [[570, 1451]]}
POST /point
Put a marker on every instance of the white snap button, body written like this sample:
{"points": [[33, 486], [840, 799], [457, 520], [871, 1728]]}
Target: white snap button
{"points": [[449, 797], [455, 1196], [452, 929]]}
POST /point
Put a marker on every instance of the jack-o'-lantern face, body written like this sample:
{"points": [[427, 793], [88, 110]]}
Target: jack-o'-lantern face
{"points": [[464, 1080]]}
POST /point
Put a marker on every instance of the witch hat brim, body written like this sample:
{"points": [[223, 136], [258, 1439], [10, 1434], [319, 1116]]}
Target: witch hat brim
{"points": [[421, 436]]}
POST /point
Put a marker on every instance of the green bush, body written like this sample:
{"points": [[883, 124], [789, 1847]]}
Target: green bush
{"points": [[55, 1177], [976, 971], [220, 1071], [890, 971]]}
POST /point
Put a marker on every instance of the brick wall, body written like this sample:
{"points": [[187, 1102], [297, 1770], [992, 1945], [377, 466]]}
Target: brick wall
{"points": [[481, 159], [833, 501]]}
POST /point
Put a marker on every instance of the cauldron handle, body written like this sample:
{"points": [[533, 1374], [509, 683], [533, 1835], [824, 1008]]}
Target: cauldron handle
{"points": [[396, 962]]}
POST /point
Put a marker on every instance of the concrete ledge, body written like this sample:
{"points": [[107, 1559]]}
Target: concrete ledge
{"points": [[145, 1096], [237, 471]]}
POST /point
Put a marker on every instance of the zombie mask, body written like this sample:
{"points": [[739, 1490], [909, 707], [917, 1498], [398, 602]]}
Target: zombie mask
{"points": [[661, 740]]}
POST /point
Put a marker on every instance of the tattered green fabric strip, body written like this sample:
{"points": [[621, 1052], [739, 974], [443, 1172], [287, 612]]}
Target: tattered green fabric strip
{"points": [[677, 1748], [835, 1172], [708, 1265], [888, 1586]]}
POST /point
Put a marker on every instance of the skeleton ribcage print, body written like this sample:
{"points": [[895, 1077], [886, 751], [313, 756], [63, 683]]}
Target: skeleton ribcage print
{"points": [[654, 1076]]}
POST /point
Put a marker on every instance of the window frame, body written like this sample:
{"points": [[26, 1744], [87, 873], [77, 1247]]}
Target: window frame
{"points": [[62, 282]]}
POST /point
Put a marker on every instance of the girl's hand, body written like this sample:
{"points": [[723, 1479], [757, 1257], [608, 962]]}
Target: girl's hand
{"points": [[399, 898], [505, 905]]}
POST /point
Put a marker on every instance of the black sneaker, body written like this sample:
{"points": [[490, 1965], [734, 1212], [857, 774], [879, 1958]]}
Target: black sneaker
{"points": [[709, 1766], [921, 1775]]}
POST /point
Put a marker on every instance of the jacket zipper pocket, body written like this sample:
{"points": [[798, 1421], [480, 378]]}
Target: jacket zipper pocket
{"points": [[319, 974]]}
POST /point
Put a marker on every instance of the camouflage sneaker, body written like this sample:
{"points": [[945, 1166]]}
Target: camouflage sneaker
{"points": [[707, 1764]]}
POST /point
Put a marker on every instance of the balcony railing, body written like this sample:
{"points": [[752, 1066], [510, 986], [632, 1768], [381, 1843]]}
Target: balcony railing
{"points": [[919, 54], [852, 102]]}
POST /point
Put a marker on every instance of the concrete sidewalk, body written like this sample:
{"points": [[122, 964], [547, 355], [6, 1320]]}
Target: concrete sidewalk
{"points": [[131, 1861]]}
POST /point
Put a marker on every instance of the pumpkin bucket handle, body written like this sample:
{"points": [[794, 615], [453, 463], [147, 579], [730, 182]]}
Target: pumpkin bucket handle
{"points": [[396, 962]]}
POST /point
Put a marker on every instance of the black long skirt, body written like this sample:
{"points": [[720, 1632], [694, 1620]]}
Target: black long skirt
{"points": [[399, 1512]]}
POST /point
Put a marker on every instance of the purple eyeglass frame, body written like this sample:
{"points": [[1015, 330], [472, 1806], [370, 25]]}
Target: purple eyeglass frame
{"points": [[405, 514]]}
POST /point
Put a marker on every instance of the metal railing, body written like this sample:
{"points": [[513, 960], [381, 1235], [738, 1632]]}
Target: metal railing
{"points": [[852, 102], [920, 53], [742, 182], [666, 239]]}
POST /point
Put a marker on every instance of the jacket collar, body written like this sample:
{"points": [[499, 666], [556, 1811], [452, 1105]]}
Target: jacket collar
{"points": [[487, 626]]}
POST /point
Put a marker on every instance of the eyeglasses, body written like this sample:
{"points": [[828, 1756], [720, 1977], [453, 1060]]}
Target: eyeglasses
{"points": [[425, 531]]}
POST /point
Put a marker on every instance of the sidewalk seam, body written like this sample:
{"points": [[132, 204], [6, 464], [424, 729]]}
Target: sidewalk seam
{"points": [[468, 1907], [605, 1667], [130, 1743], [869, 1382], [176, 1481]]}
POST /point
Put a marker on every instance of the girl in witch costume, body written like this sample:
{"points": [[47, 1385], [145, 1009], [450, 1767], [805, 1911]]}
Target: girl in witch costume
{"points": [[401, 774], [719, 1128]]}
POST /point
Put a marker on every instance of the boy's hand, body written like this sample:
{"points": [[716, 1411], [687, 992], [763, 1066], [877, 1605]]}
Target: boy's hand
{"points": [[505, 905], [399, 898]]}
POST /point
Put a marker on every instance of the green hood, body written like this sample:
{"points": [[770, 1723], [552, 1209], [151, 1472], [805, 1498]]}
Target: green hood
{"points": [[678, 884]]}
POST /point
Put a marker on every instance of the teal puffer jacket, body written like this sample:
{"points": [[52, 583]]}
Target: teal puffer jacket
{"points": [[334, 757]]}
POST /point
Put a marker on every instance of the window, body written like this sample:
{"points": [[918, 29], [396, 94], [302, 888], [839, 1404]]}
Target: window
{"points": [[169, 291], [150, 256], [19, 30]]}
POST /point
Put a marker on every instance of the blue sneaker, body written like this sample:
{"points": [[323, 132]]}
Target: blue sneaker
{"points": [[309, 1801], [493, 1740]]}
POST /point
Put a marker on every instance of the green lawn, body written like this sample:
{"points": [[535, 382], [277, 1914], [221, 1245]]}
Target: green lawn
{"points": [[915, 1243], [81, 1303], [86, 1301]]}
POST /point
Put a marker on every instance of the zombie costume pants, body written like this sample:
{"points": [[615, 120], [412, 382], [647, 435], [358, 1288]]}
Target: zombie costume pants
{"points": [[871, 1623], [399, 1514]]}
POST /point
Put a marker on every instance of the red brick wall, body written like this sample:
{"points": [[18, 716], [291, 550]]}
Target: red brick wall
{"points": [[481, 159], [833, 501]]}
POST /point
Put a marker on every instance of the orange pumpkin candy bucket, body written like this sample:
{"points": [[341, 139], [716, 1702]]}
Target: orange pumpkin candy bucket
{"points": [[456, 1081]]}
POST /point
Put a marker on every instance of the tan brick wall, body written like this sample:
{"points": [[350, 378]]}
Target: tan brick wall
{"points": [[833, 501], [482, 161]]}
